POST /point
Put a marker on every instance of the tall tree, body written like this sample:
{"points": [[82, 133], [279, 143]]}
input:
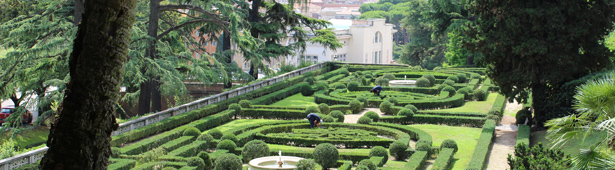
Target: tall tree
{"points": [[80, 137], [539, 45], [422, 49]]}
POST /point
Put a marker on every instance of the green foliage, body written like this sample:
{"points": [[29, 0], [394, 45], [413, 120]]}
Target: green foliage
{"points": [[482, 147], [423, 82], [356, 106], [398, 150], [326, 155], [523, 134], [115, 152], [444, 159], [340, 86], [448, 82], [364, 120], [226, 144], [451, 90], [327, 118], [254, 149], [312, 109], [481, 95], [306, 90], [338, 115], [382, 81], [229, 136], [454, 78], [431, 78], [449, 143], [466, 92], [417, 160], [389, 76], [462, 77], [216, 133], [235, 107], [523, 115], [196, 162], [537, 157], [372, 115], [380, 151], [206, 159], [207, 138], [192, 131], [306, 164], [353, 86], [245, 104], [344, 72], [393, 100], [408, 113], [385, 107], [369, 164], [411, 107], [228, 161], [7, 149], [362, 167], [324, 108]]}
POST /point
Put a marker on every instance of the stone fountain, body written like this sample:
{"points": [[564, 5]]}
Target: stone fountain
{"points": [[402, 83], [274, 162]]}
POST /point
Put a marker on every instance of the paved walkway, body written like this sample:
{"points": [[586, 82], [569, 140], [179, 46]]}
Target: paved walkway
{"points": [[353, 118], [505, 139]]}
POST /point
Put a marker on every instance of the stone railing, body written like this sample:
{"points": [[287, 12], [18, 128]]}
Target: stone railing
{"points": [[23, 159]]}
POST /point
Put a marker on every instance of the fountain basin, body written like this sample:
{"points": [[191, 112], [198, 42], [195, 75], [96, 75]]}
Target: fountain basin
{"points": [[402, 83], [271, 162]]}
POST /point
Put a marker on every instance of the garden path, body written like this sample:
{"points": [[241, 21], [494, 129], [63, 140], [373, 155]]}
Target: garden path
{"points": [[353, 118], [505, 140]]}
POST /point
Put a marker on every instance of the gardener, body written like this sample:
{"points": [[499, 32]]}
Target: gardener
{"points": [[314, 119], [376, 90]]}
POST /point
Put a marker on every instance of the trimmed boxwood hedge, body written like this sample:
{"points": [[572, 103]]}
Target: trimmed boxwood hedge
{"points": [[416, 160], [121, 164], [273, 114], [435, 119], [482, 147], [523, 134], [444, 159]]}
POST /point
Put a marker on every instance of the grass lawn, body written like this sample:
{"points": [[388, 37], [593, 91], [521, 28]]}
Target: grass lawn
{"points": [[474, 106], [573, 147], [27, 138], [297, 100], [466, 138], [239, 123]]}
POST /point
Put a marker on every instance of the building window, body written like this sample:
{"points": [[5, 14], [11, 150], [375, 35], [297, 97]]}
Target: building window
{"points": [[378, 37], [380, 57], [315, 58]]}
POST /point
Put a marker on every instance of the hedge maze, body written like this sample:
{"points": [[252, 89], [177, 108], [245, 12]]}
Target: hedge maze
{"points": [[218, 135]]}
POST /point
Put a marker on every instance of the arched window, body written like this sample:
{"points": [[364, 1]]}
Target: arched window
{"points": [[377, 37]]}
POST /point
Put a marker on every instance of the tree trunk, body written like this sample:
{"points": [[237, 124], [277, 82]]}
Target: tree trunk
{"points": [[16, 101], [80, 137], [226, 46], [78, 11], [156, 97], [254, 17], [253, 71], [152, 31], [144, 97]]}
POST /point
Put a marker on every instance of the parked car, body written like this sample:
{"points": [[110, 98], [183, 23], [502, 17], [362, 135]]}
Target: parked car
{"points": [[5, 112]]}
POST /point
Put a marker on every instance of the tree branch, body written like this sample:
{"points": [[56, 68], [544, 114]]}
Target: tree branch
{"points": [[273, 15], [190, 7], [219, 22]]}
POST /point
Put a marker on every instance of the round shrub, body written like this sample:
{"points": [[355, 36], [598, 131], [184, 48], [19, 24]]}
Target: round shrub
{"points": [[431, 78], [398, 150], [423, 147], [245, 104], [364, 120], [348, 112], [437, 68], [449, 82], [382, 81], [326, 155], [324, 108], [196, 162], [522, 115], [363, 100], [305, 164], [368, 76], [480, 95], [310, 80], [358, 73], [338, 114], [411, 107], [306, 90], [353, 86], [385, 107], [364, 81], [312, 109], [254, 149], [423, 82], [405, 112], [215, 133], [451, 90], [454, 78], [192, 131], [372, 115], [475, 76], [209, 139], [449, 143], [206, 159], [169, 168], [355, 106], [462, 77], [229, 136], [423, 141], [235, 107], [369, 164], [389, 76], [416, 67], [344, 72], [392, 100], [327, 118], [228, 161], [340, 86], [321, 87], [463, 91], [362, 167], [380, 151], [226, 144]]}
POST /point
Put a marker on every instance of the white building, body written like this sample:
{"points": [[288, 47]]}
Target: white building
{"points": [[364, 41]]}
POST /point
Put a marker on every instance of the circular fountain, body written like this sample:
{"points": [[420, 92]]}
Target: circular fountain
{"points": [[274, 162], [402, 83]]}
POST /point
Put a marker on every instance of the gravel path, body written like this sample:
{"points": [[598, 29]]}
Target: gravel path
{"points": [[353, 118], [505, 139]]}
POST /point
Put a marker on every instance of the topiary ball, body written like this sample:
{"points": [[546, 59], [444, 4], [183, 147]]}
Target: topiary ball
{"points": [[363, 100], [389, 76], [312, 109], [480, 95], [423, 82], [462, 78], [411, 107], [338, 115], [423, 147], [254, 149], [385, 107], [229, 136], [228, 161], [380, 151], [431, 78], [339, 86], [449, 143], [305, 164], [475, 76], [448, 82], [353, 86], [196, 162], [355, 106], [451, 90], [235, 107], [344, 71], [372, 115], [321, 87], [245, 104], [310, 80], [306, 90], [364, 120], [454, 78], [463, 91], [423, 141], [393, 100], [405, 112], [524, 115], [327, 118], [191, 131], [382, 81], [398, 150], [206, 159], [324, 108], [362, 167], [326, 155], [369, 164], [227, 144], [217, 134], [209, 139]]}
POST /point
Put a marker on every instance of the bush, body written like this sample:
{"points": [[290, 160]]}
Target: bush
{"points": [[254, 149], [196, 162], [449, 82], [372, 115], [326, 155], [321, 87], [405, 112], [451, 90], [431, 78], [475, 76], [385, 107], [363, 100], [227, 144], [423, 82], [423, 147], [355, 106], [235, 107], [338, 114], [464, 91], [229, 136], [522, 115], [344, 72], [462, 77], [393, 100], [364, 120], [480, 95], [398, 150], [324, 108], [369, 76], [538, 157], [389, 76], [369, 164], [217, 134], [382, 81], [310, 80], [362, 167], [364, 81], [449, 143], [312, 109], [207, 138], [191, 131], [228, 161], [306, 90], [353, 86], [380, 151], [206, 159], [339, 86], [305, 164], [245, 104], [454, 78], [169, 168], [411, 107], [327, 118], [115, 152]]}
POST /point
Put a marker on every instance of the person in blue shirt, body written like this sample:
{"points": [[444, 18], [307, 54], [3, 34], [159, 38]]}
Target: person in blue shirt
{"points": [[376, 90], [314, 119]]}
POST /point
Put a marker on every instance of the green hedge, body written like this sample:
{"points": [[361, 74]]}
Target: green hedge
{"points": [[447, 113], [276, 107], [347, 165], [435, 119], [308, 154], [330, 74], [444, 159], [377, 160], [523, 135], [176, 143], [121, 164], [272, 114], [455, 101], [414, 133], [280, 94], [416, 160], [189, 150], [482, 147]]}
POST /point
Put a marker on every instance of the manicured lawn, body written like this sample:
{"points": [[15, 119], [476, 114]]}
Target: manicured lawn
{"points": [[475, 106], [573, 147], [27, 138], [466, 138], [297, 100]]}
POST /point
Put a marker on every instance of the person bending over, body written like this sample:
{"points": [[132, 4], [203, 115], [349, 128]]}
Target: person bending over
{"points": [[376, 90], [314, 120]]}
